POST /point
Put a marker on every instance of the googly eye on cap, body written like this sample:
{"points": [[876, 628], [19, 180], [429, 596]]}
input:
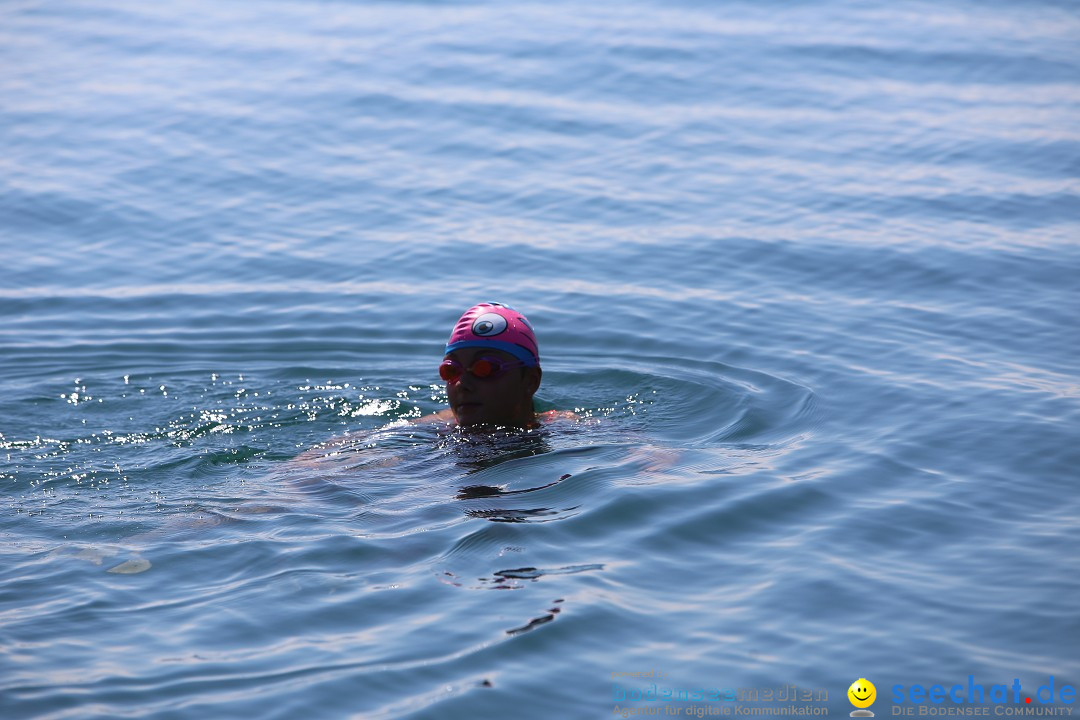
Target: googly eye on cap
{"points": [[498, 326]]}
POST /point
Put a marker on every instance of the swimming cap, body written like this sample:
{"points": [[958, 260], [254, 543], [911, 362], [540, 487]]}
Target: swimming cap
{"points": [[498, 326]]}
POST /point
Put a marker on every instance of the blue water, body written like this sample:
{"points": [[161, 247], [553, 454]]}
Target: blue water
{"points": [[807, 272]]}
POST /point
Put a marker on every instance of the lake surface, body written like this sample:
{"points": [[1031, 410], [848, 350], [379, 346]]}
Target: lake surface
{"points": [[807, 273]]}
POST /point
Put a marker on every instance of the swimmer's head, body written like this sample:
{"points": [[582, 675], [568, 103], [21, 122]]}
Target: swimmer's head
{"points": [[496, 326], [492, 367]]}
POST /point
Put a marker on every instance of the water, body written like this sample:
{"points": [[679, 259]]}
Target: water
{"points": [[807, 272]]}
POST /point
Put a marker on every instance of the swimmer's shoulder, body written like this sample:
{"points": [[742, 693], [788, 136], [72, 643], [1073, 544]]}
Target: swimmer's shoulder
{"points": [[445, 416], [554, 415]]}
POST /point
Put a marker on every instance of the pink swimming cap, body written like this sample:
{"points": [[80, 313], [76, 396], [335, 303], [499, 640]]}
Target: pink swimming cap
{"points": [[498, 326]]}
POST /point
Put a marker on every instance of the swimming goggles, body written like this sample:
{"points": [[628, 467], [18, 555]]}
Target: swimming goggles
{"points": [[485, 367]]}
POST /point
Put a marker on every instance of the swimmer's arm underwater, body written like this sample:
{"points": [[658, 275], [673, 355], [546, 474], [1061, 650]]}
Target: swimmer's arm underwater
{"points": [[314, 456], [344, 447]]}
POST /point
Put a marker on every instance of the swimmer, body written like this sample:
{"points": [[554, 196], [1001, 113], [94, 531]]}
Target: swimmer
{"points": [[491, 366]]}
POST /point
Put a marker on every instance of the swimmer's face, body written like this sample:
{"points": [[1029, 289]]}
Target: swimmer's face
{"points": [[505, 400]]}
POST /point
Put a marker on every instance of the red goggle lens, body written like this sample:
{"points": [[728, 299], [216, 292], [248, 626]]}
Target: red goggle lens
{"points": [[449, 371]]}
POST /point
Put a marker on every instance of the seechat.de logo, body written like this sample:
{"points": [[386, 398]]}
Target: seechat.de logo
{"points": [[974, 693]]}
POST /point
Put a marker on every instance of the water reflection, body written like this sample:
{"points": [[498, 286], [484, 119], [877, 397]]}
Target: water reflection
{"points": [[478, 449]]}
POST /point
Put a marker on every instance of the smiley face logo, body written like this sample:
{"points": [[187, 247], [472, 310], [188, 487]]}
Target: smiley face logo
{"points": [[862, 693]]}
